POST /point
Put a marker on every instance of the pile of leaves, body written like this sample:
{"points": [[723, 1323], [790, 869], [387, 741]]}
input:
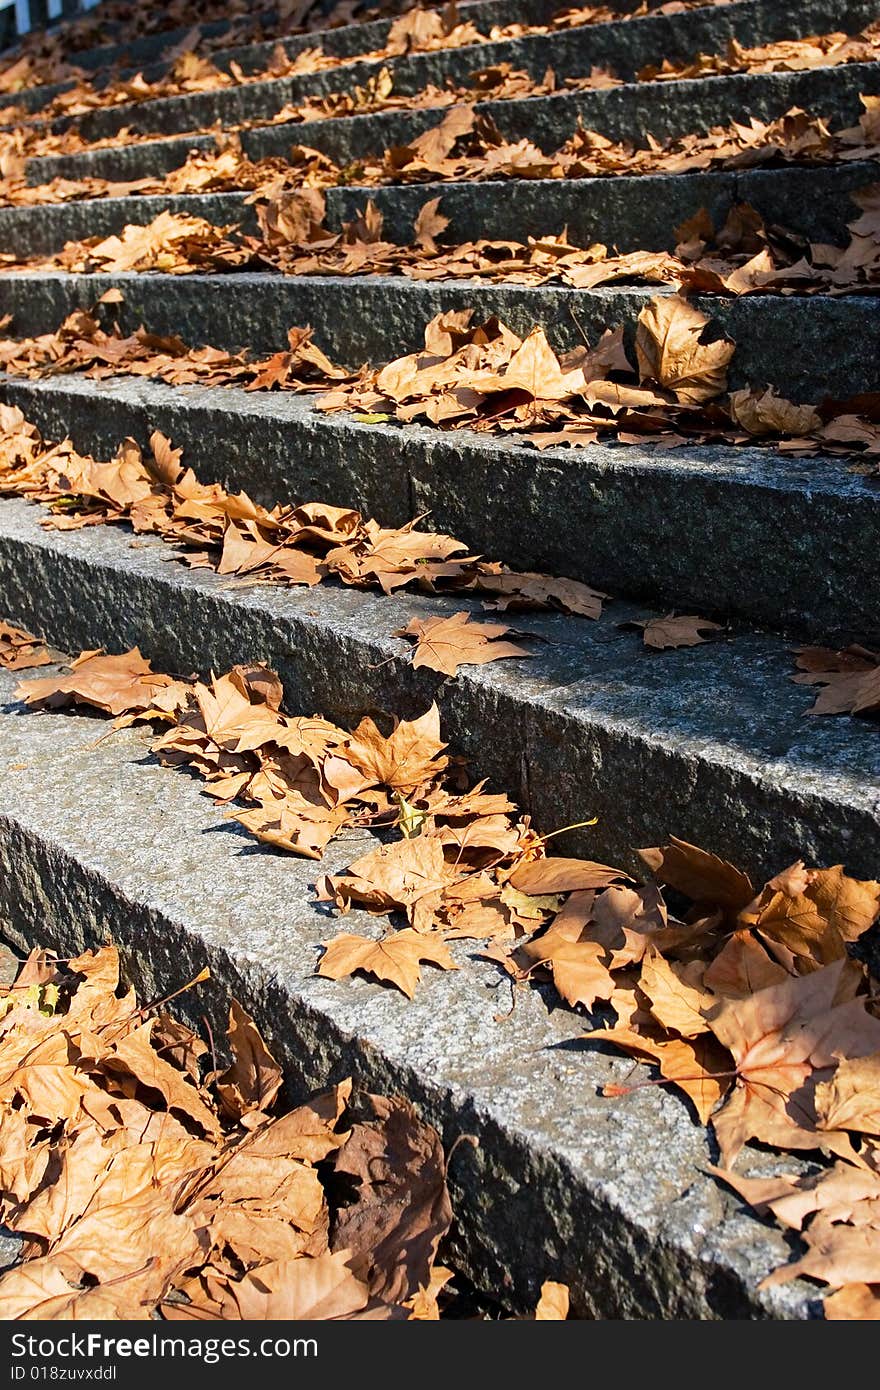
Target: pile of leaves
{"points": [[749, 1001], [146, 1186], [484, 377], [743, 256]]}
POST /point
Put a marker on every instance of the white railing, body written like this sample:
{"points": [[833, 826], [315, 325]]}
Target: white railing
{"points": [[23, 19]]}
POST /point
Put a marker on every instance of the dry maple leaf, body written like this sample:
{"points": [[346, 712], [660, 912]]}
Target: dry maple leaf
{"points": [[698, 1066], [686, 630], [703, 877], [579, 968], [553, 1303], [20, 649], [114, 684], [410, 755], [542, 876], [401, 1209], [764, 412], [851, 679], [253, 1080], [444, 644], [395, 959], [671, 350], [853, 1303], [783, 1039]]}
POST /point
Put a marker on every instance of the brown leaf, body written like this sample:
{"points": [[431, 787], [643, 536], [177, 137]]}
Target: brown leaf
{"points": [[253, 1080], [542, 876], [402, 1208], [444, 644], [394, 960], [20, 650], [671, 351], [703, 877], [114, 684], [780, 1039], [661, 634], [853, 1303], [553, 1303]]}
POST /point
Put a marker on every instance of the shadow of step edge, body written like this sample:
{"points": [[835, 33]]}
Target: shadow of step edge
{"points": [[744, 533], [98, 843], [624, 47], [808, 347], [633, 214], [712, 744], [664, 109]]}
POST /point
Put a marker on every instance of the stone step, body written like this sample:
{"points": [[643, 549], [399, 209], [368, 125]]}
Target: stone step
{"points": [[634, 213], [709, 743], [147, 53], [98, 843], [807, 347], [664, 110], [632, 521], [623, 46]]}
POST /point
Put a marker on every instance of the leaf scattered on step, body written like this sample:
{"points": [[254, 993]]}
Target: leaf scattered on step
{"points": [[685, 630], [850, 679], [444, 644], [395, 959]]}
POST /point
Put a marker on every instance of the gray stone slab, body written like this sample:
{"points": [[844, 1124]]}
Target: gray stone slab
{"points": [[709, 743], [99, 843], [623, 47], [662, 109], [631, 213], [807, 347], [666, 525]]}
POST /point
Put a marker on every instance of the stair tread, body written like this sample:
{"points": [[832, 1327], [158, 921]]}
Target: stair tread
{"points": [[625, 45], [379, 318], [630, 212], [153, 852]]}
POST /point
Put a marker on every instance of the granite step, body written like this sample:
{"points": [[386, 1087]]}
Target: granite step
{"points": [[804, 346], [624, 47], [635, 213], [98, 843], [745, 533], [709, 743], [664, 110]]}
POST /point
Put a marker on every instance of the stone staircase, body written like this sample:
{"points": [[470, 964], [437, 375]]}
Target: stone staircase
{"points": [[97, 841]]}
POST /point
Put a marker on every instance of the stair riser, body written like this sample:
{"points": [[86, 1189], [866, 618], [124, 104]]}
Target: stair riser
{"points": [[807, 347], [569, 759], [631, 214], [663, 109], [779, 532]]}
